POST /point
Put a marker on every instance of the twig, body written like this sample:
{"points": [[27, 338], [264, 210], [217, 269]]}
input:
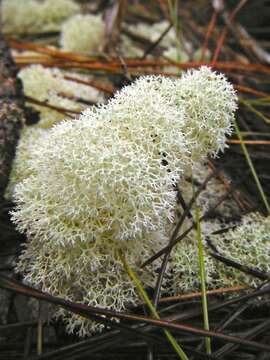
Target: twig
{"points": [[174, 235], [183, 235], [225, 30], [59, 109], [209, 31], [199, 294], [248, 142], [90, 311]]}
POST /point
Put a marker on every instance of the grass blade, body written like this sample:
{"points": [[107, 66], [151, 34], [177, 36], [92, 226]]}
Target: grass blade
{"points": [[253, 171], [203, 278], [151, 307]]}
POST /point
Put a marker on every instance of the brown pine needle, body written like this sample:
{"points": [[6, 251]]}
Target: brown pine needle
{"points": [[223, 35], [198, 293], [105, 88], [61, 110], [249, 90], [249, 142]]}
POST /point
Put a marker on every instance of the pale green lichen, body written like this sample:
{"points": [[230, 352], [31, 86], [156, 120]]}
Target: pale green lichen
{"points": [[170, 47], [185, 268], [32, 16], [83, 33], [154, 31], [248, 244], [30, 138], [108, 166], [209, 102], [49, 85], [107, 182], [169, 44], [89, 273]]}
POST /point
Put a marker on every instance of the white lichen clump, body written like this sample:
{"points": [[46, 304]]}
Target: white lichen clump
{"points": [[106, 182], [248, 244], [108, 167], [49, 85], [169, 43], [30, 138], [83, 34], [89, 273], [209, 103], [172, 46], [185, 268], [32, 16], [154, 31]]}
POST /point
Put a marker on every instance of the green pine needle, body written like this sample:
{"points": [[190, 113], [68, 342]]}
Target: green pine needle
{"points": [[203, 279], [253, 171], [151, 307]]}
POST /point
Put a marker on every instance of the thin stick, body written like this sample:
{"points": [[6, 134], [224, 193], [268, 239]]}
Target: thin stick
{"points": [[107, 89], [175, 233], [225, 30], [52, 107], [248, 142], [185, 233], [199, 293], [249, 90], [92, 311], [209, 31]]}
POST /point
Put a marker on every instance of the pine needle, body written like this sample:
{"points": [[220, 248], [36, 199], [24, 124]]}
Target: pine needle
{"points": [[146, 299], [253, 171], [202, 278]]}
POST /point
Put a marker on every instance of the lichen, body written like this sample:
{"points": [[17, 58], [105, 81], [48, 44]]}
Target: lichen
{"points": [[32, 16], [107, 181], [247, 244], [50, 86], [83, 33], [30, 138]]}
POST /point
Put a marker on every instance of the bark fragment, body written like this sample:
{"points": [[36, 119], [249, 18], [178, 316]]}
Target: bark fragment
{"points": [[12, 115]]}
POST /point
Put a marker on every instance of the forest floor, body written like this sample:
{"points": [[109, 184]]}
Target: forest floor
{"points": [[233, 38]]}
